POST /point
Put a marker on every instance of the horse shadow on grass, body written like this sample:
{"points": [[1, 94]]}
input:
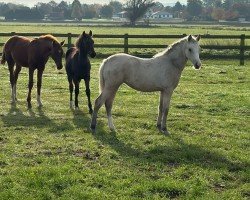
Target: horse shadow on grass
{"points": [[170, 155], [81, 119], [31, 118]]}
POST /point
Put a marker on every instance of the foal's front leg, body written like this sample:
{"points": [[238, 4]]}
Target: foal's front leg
{"points": [[88, 95], [39, 85], [159, 119], [76, 83], [31, 74], [166, 96]]}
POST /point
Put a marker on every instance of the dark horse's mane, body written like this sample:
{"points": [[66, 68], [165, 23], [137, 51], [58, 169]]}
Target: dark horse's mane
{"points": [[79, 41]]}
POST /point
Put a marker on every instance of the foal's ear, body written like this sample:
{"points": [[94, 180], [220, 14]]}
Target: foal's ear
{"points": [[83, 33], [190, 38], [90, 33], [198, 38], [62, 43]]}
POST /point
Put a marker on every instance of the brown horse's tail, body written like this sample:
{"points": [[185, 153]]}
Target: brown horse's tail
{"points": [[3, 60]]}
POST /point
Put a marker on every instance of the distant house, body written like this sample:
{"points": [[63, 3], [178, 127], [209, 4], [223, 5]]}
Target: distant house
{"points": [[161, 15], [55, 16], [120, 15]]}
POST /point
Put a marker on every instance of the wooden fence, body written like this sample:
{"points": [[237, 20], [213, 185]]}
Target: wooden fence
{"points": [[242, 48]]}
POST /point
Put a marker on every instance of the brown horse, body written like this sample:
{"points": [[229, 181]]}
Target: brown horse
{"points": [[33, 54]]}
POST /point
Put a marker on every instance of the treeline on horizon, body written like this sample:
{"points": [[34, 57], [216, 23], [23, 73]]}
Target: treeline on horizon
{"points": [[206, 10]]}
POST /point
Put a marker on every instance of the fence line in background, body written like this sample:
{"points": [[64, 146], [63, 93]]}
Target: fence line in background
{"points": [[126, 46]]}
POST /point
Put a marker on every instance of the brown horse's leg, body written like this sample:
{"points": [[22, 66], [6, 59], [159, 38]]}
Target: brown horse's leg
{"points": [[39, 86], [76, 82], [11, 65], [16, 73], [31, 82], [88, 95]]}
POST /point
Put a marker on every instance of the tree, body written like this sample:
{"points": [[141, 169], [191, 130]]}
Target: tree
{"points": [[106, 11], [177, 9], [136, 9], [44, 8], [194, 7], [76, 10], [89, 11], [117, 6]]}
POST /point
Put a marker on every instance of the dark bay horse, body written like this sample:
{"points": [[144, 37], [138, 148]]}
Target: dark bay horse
{"points": [[78, 66], [34, 54]]}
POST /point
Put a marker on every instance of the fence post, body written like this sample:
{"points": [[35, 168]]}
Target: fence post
{"points": [[242, 49], [126, 43], [69, 40]]}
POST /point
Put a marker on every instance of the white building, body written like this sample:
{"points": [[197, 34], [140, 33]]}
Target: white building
{"points": [[161, 15]]}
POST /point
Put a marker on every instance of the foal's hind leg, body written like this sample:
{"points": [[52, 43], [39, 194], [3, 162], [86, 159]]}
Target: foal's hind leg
{"points": [[108, 105], [11, 65], [88, 95], [16, 73], [98, 103]]}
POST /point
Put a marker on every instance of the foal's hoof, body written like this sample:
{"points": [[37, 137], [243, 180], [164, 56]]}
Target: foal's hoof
{"points": [[40, 105], [92, 127], [29, 106], [164, 131]]}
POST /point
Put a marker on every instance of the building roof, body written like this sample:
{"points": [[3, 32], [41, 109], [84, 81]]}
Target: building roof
{"points": [[161, 13]]}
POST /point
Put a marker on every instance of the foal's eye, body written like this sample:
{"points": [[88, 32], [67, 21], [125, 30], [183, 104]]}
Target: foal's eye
{"points": [[190, 50]]}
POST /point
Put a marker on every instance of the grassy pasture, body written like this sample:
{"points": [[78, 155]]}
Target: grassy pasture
{"points": [[49, 153]]}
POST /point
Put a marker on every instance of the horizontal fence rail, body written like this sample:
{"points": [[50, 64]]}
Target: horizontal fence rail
{"points": [[241, 48]]}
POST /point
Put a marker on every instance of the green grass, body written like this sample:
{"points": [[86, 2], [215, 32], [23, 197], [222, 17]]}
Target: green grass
{"points": [[50, 153]]}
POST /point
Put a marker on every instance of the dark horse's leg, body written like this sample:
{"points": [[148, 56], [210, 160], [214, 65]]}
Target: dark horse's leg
{"points": [[71, 88], [31, 82], [76, 83], [16, 73], [39, 85], [88, 95]]}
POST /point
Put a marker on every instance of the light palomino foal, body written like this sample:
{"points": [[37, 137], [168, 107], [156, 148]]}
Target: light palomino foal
{"points": [[160, 73]]}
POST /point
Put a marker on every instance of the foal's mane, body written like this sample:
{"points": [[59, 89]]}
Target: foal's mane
{"points": [[171, 48], [79, 41], [49, 37]]}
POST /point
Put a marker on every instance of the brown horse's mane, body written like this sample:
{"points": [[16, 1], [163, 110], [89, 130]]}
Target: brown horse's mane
{"points": [[49, 37]]}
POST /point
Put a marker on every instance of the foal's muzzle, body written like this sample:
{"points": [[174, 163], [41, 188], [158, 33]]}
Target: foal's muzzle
{"points": [[92, 54], [59, 66], [197, 65]]}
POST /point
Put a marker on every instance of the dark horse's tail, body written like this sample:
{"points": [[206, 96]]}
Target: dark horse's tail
{"points": [[3, 59]]}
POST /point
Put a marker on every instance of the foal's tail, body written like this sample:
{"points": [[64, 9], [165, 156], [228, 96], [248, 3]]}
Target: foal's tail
{"points": [[3, 59], [101, 79]]}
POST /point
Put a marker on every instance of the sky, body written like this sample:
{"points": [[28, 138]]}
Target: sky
{"points": [[33, 2]]}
